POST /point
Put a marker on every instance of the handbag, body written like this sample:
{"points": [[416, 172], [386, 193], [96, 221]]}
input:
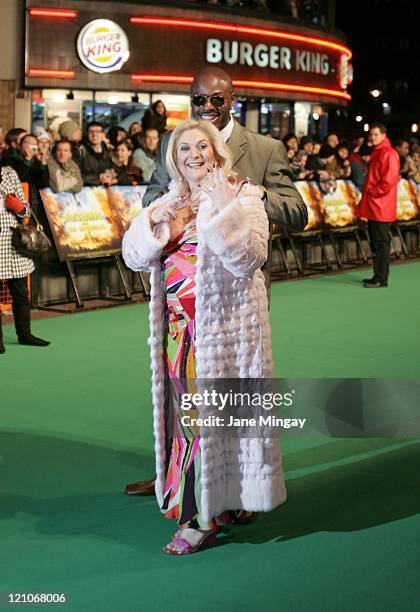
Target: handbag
{"points": [[30, 239]]}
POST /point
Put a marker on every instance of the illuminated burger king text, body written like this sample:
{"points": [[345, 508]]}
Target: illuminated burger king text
{"points": [[263, 56]]}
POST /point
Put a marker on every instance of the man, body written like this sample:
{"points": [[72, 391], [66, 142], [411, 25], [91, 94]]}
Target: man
{"points": [[69, 130], [359, 161], [144, 156], [332, 140], [307, 145], [2, 142], [379, 202], [403, 149], [94, 158], [324, 165], [262, 159], [64, 173]]}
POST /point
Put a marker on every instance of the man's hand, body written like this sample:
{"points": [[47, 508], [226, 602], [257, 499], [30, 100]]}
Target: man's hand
{"points": [[324, 175], [108, 177]]}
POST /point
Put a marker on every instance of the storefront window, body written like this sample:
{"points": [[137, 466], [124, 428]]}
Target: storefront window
{"points": [[118, 113], [274, 118], [177, 108], [51, 107]]}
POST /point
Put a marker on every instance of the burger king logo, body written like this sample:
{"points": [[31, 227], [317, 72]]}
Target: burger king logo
{"points": [[102, 46]]}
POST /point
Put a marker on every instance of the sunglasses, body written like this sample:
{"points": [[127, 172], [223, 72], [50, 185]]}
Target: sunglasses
{"points": [[201, 100]]}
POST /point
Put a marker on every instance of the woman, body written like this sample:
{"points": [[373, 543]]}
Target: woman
{"points": [[343, 158], [135, 128], [127, 171], [44, 145], [290, 141], [14, 268], [146, 145], [204, 243], [155, 117]]}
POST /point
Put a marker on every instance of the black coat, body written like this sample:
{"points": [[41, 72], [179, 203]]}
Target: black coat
{"points": [[35, 173], [93, 164]]}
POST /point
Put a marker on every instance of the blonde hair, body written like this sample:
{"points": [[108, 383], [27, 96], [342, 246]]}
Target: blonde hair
{"points": [[222, 153]]}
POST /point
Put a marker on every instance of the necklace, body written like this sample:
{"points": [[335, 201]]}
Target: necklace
{"points": [[195, 206]]}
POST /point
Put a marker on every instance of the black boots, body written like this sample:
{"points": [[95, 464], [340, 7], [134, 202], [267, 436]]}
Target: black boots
{"points": [[22, 315]]}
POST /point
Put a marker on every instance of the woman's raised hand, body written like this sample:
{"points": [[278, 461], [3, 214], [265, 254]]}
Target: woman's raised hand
{"points": [[217, 186]]}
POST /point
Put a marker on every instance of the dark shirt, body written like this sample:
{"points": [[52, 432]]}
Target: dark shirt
{"points": [[93, 164]]}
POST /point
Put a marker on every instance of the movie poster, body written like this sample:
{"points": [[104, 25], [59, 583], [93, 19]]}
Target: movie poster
{"points": [[339, 206], [311, 194], [84, 224], [126, 202], [408, 204]]}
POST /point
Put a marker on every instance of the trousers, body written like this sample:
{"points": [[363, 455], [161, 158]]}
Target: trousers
{"points": [[21, 307], [380, 241]]}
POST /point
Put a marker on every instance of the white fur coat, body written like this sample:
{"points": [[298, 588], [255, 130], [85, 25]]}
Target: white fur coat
{"points": [[233, 340]]}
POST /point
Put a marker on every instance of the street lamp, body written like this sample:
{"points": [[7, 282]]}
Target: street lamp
{"points": [[366, 127], [414, 128], [375, 93], [359, 118]]}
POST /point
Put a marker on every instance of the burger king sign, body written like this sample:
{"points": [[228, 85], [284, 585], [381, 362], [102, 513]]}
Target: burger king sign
{"points": [[102, 46]]}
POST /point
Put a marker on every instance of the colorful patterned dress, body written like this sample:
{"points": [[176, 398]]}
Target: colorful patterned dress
{"points": [[182, 492]]}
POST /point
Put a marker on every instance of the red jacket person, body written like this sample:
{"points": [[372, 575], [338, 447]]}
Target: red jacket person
{"points": [[379, 202]]}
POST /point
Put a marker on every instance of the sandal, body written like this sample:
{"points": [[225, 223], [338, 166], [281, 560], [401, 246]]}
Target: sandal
{"points": [[179, 545]]}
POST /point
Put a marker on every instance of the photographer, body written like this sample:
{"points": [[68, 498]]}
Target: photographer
{"points": [[28, 166]]}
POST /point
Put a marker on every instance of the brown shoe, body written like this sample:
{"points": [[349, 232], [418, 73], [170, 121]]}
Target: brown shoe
{"points": [[141, 487]]}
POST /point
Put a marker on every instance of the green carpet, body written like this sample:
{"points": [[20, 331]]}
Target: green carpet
{"points": [[76, 426]]}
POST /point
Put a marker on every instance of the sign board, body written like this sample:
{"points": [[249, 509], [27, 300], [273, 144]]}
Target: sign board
{"points": [[90, 223], [312, 196], [408, 201], [102, 46], [126, 47], [339, 206]]}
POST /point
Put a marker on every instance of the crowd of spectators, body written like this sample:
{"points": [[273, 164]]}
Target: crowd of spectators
{"points": [[70, 160], [120, 157], [335, 159]]}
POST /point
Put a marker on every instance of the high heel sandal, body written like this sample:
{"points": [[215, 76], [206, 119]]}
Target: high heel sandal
{"points": [[179, 546]]}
